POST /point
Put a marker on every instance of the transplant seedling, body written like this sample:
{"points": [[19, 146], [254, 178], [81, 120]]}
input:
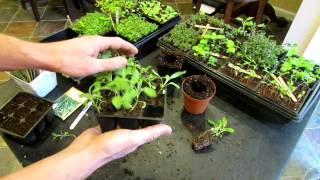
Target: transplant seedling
{"points": [[208, 137]]}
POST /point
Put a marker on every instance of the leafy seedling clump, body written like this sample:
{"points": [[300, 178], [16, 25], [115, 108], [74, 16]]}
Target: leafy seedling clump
{"points": [[212, 46], [127, 85], [94, 23], [135, 27], [182, 37], [113, 6], [210, 136], [156, 11]]}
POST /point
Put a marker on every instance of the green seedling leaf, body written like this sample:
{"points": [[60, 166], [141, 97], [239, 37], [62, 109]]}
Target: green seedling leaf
{"points": [[174, 84], [177, 74], [229, 130], [117, 102], [150, 92]]}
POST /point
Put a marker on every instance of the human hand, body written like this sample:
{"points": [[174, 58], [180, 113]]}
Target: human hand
{"points": [[78, 57], [117, 143]]}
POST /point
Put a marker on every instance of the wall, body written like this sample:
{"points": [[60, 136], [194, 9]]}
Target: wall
{"points": [[289, 5], [305, 25]]}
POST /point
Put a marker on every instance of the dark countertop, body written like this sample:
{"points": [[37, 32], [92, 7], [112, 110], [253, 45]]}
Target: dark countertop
{"points": [[257, 150]]}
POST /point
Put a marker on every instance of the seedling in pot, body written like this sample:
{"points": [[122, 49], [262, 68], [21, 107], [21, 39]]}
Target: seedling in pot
{"points": [[156, 11], [94, 23], [63, 134], [125, 86], [210, 136]]}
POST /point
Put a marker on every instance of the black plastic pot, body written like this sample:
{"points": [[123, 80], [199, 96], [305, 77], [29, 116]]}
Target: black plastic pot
{"points": [[149, 116], [26, 123], [278, 111]]}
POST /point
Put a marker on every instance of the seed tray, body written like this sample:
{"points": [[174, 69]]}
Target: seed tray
{"points": [[25, 117], [150, 115], [282, 112]]}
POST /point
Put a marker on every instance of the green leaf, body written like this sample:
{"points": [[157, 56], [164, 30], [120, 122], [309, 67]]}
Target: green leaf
{"points": [[149, 92], [127, 100], [135, 77], [177, 74], [224, 121], [117, 102], [229, 130], [174, 84], [212, 122]]}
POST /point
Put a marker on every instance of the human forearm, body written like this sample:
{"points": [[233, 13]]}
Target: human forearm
{"points": [[67, 164], [75, 57], [19, 54]]}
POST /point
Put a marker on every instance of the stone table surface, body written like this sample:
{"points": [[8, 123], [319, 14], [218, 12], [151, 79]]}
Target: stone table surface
{"points": [[257, 150]]}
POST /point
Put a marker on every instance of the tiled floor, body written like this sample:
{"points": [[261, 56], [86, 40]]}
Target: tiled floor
{"points": [[18, 22], [303, 165]]}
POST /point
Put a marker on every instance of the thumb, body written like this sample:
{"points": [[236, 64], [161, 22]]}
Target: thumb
{"points": [[111, 64], [150, 133]]}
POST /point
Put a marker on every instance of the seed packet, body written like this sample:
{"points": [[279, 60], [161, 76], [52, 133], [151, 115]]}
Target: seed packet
{"points": [[68, 103]]}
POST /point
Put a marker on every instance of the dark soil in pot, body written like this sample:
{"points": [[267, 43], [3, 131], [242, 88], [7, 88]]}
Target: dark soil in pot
{"points": [[197, 90], [273, 93], [203, 141], [199, 87], [22, 114], [169, 62]]}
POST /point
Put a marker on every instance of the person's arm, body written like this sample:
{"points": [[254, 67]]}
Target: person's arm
{"points": [[76, 57], [88, 152]]}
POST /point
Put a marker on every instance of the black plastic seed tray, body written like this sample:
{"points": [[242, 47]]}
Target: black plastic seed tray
{"points": [[282, 111], [150, 115], [26, 117], [145, 45]]}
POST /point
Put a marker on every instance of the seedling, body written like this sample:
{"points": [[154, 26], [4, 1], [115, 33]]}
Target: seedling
{"points": [[112, 6], [94, 23], [211, 45], [156, 11], [248, 26], [208, 137], [134, 27], [182, 37], [260, 52], [298, 72], [62, 135], [127, 84], [219, 127], [165, 81]]}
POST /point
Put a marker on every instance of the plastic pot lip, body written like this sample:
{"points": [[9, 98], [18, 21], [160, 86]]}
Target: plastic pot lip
{"points": [[187, 95]]}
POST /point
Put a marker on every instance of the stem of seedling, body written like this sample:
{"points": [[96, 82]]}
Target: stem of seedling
{"points": [[239, 69]]}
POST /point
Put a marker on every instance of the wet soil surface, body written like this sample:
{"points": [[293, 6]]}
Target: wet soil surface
{"points": [[273, 93], [199, 87], [169, 62], [247, 81]]}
